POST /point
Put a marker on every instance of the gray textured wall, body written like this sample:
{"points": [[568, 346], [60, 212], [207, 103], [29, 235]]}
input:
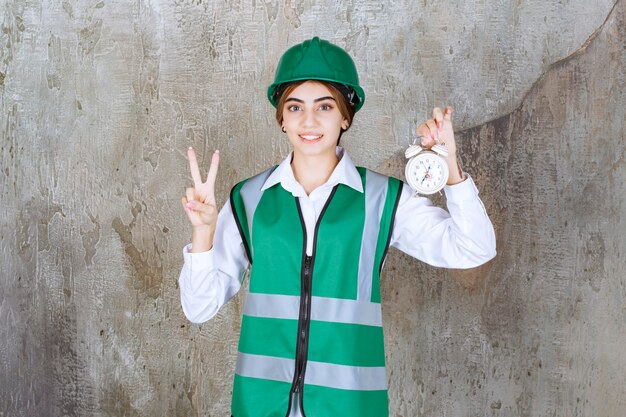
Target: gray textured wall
{"points": [[100, 99]]}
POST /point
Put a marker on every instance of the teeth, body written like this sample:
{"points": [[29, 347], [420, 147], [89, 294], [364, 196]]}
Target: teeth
{"points": [[310, 137]]}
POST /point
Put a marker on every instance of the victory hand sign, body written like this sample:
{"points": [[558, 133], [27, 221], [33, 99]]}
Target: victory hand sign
{"points": [[199, 203]]}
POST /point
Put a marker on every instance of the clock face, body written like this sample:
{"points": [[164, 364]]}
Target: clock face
{"points": [[427, 173]]}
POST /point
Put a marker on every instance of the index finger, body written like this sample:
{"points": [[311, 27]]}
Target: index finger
{"points": [[215, 162], [438, 117], [193, 167]]}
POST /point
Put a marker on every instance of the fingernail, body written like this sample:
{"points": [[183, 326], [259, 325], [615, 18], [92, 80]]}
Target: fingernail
{"points": [[190, 205], [217, 151], [190, 148], [440, 125]]}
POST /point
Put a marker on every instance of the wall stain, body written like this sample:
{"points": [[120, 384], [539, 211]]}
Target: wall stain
{"points": [[146, 264], [55, 62], [292, 14], [90, 238], [46, 213], [89, 36], [19, 23], [590, 258], [23, 235], [67, 8], [71, 391], [32, 226], [118, 402], [271, 8]]}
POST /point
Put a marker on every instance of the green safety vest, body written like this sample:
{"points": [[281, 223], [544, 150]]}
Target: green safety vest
{"points": [[312, 325]]}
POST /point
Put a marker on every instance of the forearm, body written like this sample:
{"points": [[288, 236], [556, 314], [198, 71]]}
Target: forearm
{"points": [[472, 237], [460, 238], [454, 166], [204, 288], [211, 277]]}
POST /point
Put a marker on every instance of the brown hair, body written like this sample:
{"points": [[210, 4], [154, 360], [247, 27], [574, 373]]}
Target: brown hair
{"points": [[345, 108]]}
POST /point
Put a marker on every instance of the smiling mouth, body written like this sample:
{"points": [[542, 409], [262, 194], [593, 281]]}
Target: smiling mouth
{"points": [[311, 138]]}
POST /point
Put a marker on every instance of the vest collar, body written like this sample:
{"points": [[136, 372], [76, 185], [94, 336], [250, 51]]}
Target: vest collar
{"points": [[344, 173]]}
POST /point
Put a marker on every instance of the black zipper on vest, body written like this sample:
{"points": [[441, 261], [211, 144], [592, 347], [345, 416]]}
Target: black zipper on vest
{"points": [[303, 327], [304, 320]]}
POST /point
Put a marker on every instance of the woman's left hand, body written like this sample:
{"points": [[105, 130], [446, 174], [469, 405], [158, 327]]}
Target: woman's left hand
{"points": [[439, 130]]}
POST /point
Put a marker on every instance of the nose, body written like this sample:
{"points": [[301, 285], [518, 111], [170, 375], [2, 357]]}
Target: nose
{"points": [[310, 118]]}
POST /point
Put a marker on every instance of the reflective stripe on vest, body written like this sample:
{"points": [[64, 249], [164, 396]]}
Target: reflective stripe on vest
{"points": [[360, 378], [335, 310], [344, 356], [250, 192], [375, 195]]}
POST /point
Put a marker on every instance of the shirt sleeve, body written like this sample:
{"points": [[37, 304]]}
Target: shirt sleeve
{"points": [[209, 279], [462, 237]]}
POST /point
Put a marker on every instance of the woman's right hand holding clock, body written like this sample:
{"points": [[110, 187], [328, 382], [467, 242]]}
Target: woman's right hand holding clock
{"points": [[199, 203], [439, 130]]}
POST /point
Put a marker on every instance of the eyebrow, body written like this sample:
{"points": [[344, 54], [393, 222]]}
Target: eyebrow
{"points": [[297, 100]]}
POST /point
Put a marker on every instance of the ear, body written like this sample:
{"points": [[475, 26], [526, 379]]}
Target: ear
{"points": [[344, 124]]}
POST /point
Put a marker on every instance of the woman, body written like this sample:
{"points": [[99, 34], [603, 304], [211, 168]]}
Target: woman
{"points": [[315, 232]]}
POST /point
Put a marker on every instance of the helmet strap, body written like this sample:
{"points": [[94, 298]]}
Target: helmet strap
{"points": [[348, 92]]}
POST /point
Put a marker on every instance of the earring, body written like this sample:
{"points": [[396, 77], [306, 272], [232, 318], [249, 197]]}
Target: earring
{"points": [[283, 129]]}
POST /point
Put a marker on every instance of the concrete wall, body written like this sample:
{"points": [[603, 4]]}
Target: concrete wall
{"points": [[100, 99]]}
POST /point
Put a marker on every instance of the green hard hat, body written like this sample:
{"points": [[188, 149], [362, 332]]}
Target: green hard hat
{"points": [[317, 59]]}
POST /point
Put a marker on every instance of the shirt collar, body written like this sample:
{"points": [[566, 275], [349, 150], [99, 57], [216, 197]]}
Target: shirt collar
{"points": [[344, 173]]}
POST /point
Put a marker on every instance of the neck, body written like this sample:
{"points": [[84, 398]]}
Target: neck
{"points": [[313, 171]]}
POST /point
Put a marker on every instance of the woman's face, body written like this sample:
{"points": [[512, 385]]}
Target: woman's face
{"points": [[312, 120]]}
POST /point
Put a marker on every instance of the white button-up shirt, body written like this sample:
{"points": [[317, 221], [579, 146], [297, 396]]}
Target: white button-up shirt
{"points": [[461, 237]]}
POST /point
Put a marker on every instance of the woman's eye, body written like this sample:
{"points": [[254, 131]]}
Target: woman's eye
{"points": [[293, 108], [326, 107]]}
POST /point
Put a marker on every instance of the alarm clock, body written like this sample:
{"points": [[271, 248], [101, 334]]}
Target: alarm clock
{"points": [[426, 172]]}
